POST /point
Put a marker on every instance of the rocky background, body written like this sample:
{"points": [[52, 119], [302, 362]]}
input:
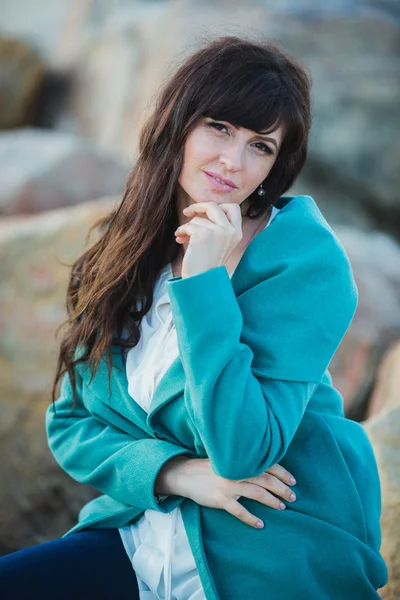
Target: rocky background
{"points": [[76, 80]]}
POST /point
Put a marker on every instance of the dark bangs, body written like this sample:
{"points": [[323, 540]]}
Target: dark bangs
{"points": [[251, 96]]}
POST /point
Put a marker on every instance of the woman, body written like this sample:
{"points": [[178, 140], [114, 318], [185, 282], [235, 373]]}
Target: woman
{"points": [[201, 327]]}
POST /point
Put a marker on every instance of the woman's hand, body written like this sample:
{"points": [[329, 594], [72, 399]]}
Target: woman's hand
{"points": [[212, 237], [196, 480]]}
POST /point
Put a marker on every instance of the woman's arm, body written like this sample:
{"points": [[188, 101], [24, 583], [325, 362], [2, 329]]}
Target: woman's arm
{"points": [[252, 363], [103, 456], [247, 426]]}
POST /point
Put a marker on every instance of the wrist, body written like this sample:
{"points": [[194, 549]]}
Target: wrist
{"points": [[169, 481]]}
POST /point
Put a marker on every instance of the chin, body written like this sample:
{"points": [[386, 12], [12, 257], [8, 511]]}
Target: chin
{"points": [[204, 198]]}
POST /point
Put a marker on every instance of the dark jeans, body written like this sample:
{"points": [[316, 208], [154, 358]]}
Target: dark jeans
{"points": [[85, 565]]}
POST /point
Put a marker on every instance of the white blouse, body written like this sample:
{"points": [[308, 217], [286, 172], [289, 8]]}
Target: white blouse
{"points": [[157, 544]]}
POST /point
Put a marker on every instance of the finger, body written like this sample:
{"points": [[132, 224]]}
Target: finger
{"points": [[282, 474], [199, 221], [212, 210], [180, 239], [233, 214], [274, 485], [240, 512], [186, 229], [258, 493]]}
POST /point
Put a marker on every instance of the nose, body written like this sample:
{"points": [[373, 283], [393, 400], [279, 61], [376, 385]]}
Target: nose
{"points": [[232, 157]]}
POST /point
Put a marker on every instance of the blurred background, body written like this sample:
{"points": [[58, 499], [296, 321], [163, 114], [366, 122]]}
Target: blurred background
{"points": [[77, 79]]}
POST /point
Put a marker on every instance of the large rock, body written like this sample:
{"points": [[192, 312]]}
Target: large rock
{"points": [[21, 76], [42, 22], [58, 27], [375, 259], [355, 67], [42, 169], [38, 502], [383, 429], [106, 83], [386, 392]]}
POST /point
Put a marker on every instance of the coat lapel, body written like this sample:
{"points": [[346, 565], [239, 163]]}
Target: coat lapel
{"points": [[119, 399], [171, 385]]}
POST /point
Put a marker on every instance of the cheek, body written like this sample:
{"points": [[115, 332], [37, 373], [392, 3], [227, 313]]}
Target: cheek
{"points": [[187, 160], [264, 171], [257, 173], [198, 149], [194, 158]]}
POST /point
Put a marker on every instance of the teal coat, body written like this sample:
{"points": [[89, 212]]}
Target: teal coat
{"points": [[250, 388]]}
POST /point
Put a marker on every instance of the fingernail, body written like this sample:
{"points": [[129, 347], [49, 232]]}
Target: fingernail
{"points": [[292, 497], [292, 480], [260, 524], [282, 506]]}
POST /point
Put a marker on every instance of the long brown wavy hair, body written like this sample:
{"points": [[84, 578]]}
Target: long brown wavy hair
{"points": [[253, 84]]}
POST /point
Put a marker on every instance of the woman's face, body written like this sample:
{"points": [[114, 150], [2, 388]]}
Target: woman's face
{"points": [[217, 148]]}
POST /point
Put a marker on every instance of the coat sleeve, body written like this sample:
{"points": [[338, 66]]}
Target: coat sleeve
{"points": [[101, 455], [253, 361]]}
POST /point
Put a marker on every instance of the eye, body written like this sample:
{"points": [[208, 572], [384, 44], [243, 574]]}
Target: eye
{"points": [[217, 125], [266, 149]]}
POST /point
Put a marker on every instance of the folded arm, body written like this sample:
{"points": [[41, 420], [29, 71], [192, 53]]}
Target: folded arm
{"points": [[103, 456], [253, 362]]}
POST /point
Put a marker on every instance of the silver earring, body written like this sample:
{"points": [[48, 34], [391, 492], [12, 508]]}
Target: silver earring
{"points": [[261, 191]]}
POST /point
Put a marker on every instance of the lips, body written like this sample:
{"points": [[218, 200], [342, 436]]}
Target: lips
{"points": [[228, 182]]}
